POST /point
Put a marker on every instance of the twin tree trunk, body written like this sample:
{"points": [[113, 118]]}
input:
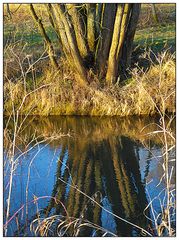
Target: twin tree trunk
{"points": [[96, 37]]}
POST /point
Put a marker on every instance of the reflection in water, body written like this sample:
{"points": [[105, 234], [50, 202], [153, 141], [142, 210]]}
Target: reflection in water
{"points": [[103, 158]]}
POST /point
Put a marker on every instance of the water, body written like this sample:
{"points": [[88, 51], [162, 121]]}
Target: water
{"points": [[108, 159]]}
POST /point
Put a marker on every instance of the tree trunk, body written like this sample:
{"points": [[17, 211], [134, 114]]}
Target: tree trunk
{"points": [[72, 43], [96, 37], [128, 43], [114, 53], [60, 31], [54, 23], [79, 30], [91, 10], [154, 13], [107, 23], [50, 50], [9, 14]]}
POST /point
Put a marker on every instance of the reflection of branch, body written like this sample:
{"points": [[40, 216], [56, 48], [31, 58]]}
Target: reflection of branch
{"points": [[106, 210], [28, 175], [32, 201], [162, 218]]}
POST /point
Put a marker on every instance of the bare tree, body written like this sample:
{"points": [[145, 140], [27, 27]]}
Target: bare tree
{"points": [[9, 13], [95, 36], [154, 13]]}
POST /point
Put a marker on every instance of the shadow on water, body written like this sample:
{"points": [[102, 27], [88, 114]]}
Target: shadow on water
{"points": [[104, 158]]}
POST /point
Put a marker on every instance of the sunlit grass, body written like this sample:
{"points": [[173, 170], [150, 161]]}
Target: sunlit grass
{"points": [[157, 37], [64, 96], [61, 95]]}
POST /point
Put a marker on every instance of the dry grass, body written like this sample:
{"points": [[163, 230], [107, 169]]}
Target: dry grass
{"points": [[65, 227], [62, 95], [164, 217], [165, 12]]}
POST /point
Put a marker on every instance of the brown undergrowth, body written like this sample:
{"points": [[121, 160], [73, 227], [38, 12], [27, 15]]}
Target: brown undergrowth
{"points": [[57, 93]]}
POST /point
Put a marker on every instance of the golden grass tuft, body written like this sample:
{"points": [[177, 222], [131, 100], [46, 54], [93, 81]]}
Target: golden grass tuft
{"points": [[146, 92]]}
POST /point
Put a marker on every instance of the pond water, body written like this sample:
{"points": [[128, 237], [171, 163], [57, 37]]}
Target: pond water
{"points": [[65, 165]]}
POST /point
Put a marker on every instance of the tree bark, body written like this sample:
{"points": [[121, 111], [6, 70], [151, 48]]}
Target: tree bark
{"points": [[128, 43], [48, 42], [154, 13], [94, 36], [51, 15], [123, 30], [61, 32], [114, 54], [9, 14], [76, 59], [73, 45], [91, 12], [107, 23], [79, 30]]}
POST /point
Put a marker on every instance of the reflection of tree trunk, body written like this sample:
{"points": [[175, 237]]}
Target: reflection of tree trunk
{"points": [[129, 179], [132, 170], [123, 180], [98, 183], [133, 166], [87, 182], [82, 175], [112, 189], [117, 160], [74, 172], [57, 192]]}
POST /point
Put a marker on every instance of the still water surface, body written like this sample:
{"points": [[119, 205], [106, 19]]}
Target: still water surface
{"points": [[109, 159]]}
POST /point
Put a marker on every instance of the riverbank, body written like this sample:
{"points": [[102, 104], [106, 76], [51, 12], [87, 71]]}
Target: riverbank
{"points": [[28, 77], [146, 92]]}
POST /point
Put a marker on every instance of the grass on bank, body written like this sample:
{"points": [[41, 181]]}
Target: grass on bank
{"points": [[61, 95], [58, 93], [156, 37]]}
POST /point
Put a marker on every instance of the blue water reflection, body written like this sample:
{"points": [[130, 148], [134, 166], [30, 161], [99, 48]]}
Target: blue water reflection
{"points": [[103, 161]]}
